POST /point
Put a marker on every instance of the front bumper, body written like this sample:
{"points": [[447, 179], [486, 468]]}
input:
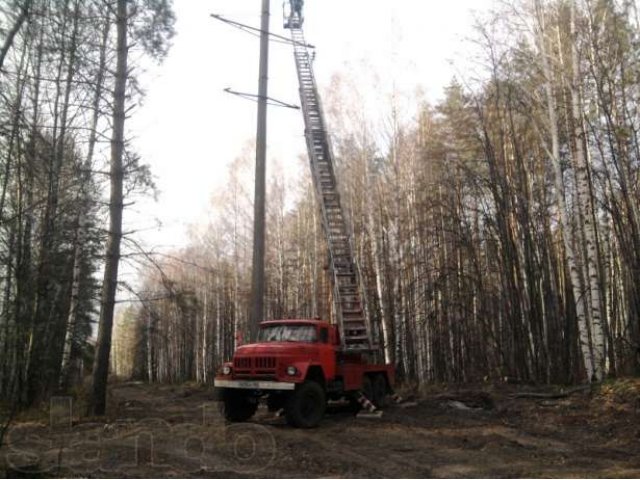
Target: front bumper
{"points": [[254, 384]]}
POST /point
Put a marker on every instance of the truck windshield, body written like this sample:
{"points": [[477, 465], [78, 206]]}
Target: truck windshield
{"points": [[288, 333]]}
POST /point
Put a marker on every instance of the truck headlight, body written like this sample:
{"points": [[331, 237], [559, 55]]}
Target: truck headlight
{"points": [[292, 370], [226, 370]]}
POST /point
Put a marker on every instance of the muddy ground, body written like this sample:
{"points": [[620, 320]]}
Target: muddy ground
{"points": [[488, 431]]}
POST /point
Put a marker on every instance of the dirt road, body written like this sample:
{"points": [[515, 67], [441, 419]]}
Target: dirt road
{"points": [[169, 431]]}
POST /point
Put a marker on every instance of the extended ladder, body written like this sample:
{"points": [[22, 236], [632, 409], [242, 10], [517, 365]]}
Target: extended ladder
{"points": [[354, 327]]}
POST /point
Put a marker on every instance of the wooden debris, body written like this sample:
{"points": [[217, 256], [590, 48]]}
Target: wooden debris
{"points": [[552, 396], [365, 414], [457, 405]]}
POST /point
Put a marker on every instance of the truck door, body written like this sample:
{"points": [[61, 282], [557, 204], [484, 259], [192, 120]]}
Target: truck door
{"points": [[327, 353]]}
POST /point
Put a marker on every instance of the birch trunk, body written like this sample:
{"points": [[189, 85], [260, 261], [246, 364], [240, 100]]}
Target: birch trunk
{"points": [[205, 330], [559, 192], [592, 269]]}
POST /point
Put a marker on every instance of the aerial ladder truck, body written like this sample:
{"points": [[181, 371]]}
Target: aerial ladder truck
{"points": [[298, 365]]}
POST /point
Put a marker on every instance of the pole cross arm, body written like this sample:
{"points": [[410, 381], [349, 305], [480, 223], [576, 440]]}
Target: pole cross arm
{"points": [[271, 101], [255, 30]]}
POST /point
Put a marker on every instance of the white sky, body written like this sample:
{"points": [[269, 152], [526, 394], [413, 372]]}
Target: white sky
{"points": [[188, 129]]}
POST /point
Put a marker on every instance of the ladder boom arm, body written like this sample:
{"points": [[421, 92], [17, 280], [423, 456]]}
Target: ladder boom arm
{"points": [[355, 332]]}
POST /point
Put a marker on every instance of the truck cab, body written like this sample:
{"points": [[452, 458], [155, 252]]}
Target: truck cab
{"points": [[297, 365]]}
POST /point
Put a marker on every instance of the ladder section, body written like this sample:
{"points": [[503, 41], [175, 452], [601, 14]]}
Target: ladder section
{"points": [[354, 328]]}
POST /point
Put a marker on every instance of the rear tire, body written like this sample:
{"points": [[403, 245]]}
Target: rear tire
{"points": [[367, 388], [379, 391], [237, 406], [306, 405]]}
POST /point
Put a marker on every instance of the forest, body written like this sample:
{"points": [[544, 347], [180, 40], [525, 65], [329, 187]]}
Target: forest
{"points": [[67, 82], [497, 233]]}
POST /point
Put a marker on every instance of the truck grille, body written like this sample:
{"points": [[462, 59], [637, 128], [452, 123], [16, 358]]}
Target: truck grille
{"points": [[242, 363], [255, 366], [265, 363]]}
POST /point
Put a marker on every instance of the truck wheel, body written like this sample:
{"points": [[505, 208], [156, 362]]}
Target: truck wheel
{"points": [[306, 405], [379, 391], [237, 406], [367, 388]]}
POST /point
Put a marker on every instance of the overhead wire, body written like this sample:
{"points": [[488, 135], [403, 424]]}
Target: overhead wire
{"points": [[270, 101], [276, 38], [255, 31]]}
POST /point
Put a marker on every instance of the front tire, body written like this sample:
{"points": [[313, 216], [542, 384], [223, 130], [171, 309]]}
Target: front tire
{"points": [[237, 406], [306, 405]]}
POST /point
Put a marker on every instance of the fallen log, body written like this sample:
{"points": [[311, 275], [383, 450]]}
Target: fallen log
{"points": [[551, 396], [472, 399]]}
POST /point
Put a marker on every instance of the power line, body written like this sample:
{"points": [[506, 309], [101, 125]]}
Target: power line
{"points": [[270, 101], [257, 31]]}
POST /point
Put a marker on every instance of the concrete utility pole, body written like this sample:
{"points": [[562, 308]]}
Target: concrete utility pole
{"points": [[259, 199]]}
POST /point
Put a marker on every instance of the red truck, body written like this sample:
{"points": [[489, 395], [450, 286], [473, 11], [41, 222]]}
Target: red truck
{"points": [[297, 365]]}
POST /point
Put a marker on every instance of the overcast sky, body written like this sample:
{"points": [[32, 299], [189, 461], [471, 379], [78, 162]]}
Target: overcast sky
{"points": [[188, 129]]}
